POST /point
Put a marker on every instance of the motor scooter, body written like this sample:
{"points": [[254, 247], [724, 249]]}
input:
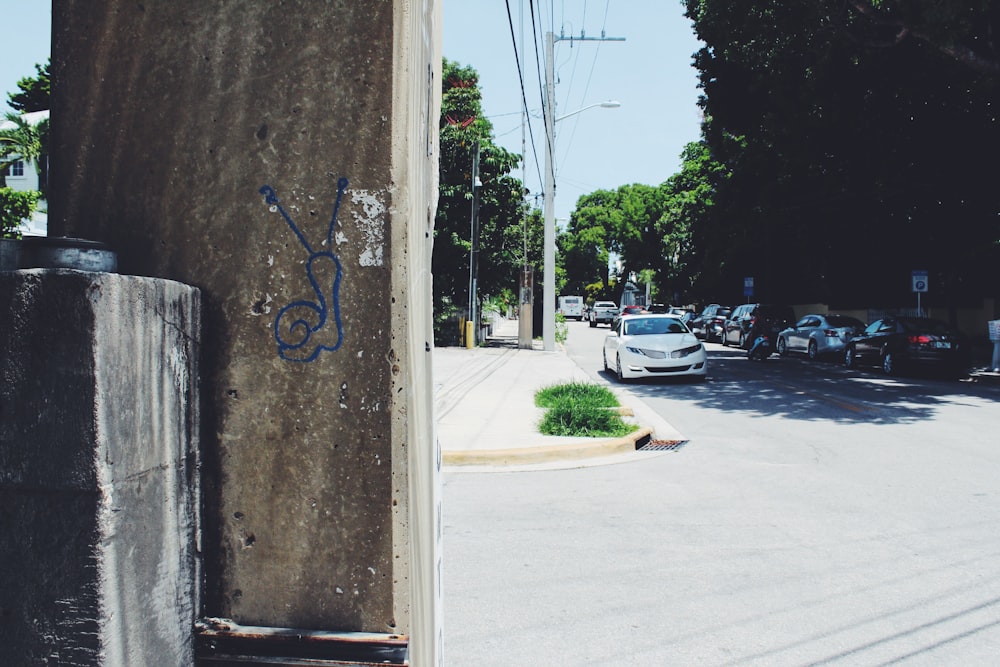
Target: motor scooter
{"points": [[764, 337], [761, 348]]}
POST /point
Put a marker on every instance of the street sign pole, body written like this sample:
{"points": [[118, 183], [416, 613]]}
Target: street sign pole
{"points": [[919, 282]]}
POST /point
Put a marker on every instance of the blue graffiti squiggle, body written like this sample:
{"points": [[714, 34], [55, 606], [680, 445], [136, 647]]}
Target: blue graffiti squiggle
{"points": [[300, 322]]}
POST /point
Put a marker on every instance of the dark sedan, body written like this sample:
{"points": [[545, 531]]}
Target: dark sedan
{"points": [[896, 343]]}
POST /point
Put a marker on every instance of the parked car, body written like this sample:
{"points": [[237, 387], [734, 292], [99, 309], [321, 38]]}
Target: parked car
{"points": [[653, 345], [818, 335], [602, 312], [897, 343], [683, 314], [657, 308], [707, 325], [768, 317], [627, 310]]}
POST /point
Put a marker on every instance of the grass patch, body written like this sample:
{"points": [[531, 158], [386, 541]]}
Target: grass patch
{"points": [[581, 410], [586, 394]]}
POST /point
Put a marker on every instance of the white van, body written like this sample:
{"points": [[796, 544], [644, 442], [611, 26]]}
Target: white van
{"points": [[571, 307]]}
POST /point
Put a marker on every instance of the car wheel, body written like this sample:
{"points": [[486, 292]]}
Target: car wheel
{"points": [[889, 365], [743, 341], [812, 350], [604, 358], [724, 339], [850, 357], [782, 347], [618, 368]]}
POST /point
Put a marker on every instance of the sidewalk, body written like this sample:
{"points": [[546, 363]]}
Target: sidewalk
{"points": [[484, 402]]}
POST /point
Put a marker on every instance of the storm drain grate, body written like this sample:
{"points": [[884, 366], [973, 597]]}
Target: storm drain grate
{"points": [[661, 446]]}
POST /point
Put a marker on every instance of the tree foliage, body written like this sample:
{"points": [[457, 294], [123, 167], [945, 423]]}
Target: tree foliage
{"points": [[502, 219], [15, 207], [624, 223], [33, 92], [856, 150], [844, 145]]}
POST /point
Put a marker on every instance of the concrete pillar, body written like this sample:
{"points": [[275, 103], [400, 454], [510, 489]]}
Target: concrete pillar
{"points": [[98, 469], [280, 156]]}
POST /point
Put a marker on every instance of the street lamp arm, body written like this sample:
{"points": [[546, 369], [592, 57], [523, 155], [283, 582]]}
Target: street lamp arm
{"points": [[609, 104]]}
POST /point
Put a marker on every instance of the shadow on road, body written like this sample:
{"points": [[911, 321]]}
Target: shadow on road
{"points": [[796, 388]]}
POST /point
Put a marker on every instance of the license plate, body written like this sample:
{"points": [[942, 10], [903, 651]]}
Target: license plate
{"points": [[942, 345]]}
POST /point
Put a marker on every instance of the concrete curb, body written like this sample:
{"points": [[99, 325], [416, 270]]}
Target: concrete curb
{"points": [[547, 453]]}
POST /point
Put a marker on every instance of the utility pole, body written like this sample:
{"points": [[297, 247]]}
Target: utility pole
{"points": [[548, 210], [474, 251]]}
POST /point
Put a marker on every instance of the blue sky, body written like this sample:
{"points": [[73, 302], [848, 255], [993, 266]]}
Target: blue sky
{"points": [[650, 73], [26, 41]]}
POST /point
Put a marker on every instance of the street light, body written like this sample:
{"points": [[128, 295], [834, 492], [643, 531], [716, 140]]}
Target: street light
{"points": [[549, 259], [607, 104]]}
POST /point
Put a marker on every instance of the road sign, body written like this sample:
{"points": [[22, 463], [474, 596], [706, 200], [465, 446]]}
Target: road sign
{"points": [[748, 286], [919, 281]]}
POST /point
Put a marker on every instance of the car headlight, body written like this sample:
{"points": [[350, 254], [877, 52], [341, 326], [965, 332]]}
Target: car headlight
{"points": [[652, 354], [685, 351]]}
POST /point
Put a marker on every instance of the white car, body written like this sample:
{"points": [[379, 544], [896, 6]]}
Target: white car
{"points": [[653, 346]]}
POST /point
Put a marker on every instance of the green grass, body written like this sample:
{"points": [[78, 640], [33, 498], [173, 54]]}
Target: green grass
{"points": [[587, 394], [581, 410]]}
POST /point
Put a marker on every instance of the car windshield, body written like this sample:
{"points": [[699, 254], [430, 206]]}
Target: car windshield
{"points": [[724, 312], [643, 326]]}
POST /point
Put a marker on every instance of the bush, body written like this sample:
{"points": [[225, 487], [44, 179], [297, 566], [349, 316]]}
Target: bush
{"points": [[582, 410], [562, 329], [15, 206], [586, 393]]}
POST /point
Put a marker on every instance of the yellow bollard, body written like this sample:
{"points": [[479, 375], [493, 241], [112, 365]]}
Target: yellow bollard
{"points": [[470, 339]]}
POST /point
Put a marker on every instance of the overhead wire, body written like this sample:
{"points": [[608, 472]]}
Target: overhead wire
{"points": [[590, 76], [520, 76], [549, 135]]}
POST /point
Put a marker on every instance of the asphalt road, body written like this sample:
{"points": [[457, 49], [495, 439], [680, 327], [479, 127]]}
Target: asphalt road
{"points": [[814, 516]]}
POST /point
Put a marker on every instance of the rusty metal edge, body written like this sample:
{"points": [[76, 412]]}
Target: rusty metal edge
{"points": [[219, 640]]}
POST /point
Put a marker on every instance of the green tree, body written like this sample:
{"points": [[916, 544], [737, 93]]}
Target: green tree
{"points": [[34, 92], [623, 222], [15, 207], [588, 239], [830, 124], [501, 202], [962, 30], [689, 197]]}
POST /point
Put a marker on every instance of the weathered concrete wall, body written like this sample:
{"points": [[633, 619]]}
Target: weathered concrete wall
{"points": [[98, 468], [281, 157]]}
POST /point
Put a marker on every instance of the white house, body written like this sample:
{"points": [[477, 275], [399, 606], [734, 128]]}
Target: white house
{"points": [[22, 176]]}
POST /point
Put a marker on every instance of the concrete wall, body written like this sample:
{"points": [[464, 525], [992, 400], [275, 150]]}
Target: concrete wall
{"points": [[98, 469], [280, 156]]}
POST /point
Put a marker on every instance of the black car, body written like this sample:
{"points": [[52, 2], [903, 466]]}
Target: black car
{"points": [[896, 343], [750, 319], [707, 325]]}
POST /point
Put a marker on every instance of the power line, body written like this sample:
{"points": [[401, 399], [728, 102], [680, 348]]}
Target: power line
{"points": [[520, 77]]}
